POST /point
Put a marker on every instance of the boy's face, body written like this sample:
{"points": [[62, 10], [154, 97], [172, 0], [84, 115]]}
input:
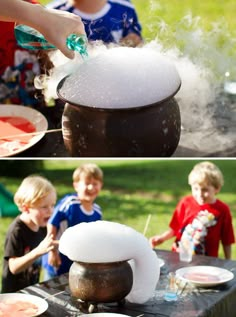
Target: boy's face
{"points": [[42, 210], [87, 188], [204, 193]]}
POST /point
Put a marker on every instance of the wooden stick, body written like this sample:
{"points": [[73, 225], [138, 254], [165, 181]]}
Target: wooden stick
{"points": [[53, 295], [147, 224], [28, 134]]}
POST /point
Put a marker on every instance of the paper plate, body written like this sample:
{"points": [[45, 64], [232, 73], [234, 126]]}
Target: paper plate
{"points": [[34, 116], [204, 275], [41, 303]]}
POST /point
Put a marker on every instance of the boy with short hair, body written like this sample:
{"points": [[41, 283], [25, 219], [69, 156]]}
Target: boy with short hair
{"points": [[27, 239], [71, 210], [202, 217]]}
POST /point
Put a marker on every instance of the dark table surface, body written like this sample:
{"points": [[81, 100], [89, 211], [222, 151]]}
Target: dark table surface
{"points": [[218, 139], [52, 146], [198, 138], [218, 301]]}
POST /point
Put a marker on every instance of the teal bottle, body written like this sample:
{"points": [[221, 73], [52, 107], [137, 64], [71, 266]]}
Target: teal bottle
{"points": [[31, 39]]}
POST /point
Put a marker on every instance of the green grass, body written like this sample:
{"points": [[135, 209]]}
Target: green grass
{"points": [[152, 11], [133, 189]]}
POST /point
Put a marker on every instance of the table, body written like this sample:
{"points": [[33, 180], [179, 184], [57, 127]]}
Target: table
{"points": [[219, 301], [198, 138]]}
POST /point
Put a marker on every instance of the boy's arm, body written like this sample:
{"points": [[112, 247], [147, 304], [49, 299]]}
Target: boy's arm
{"points": [[158, 239], [227, 251], [51, 229], [19, 264], [53, 256]]}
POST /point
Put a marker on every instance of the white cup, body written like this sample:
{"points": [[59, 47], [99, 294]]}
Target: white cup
{"points": [[185, 251]]}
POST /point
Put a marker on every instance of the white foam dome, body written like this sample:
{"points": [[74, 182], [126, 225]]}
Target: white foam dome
{"points": [[122, 77], [105, 241]]}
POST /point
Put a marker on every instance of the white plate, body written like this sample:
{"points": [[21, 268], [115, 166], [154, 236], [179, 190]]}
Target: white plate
{"points": [[38, 301], [34, 116], [161, 262], [204, 275], [104, 315]]}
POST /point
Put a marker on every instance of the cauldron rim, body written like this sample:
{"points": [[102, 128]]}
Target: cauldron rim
{"points": [[94, 263], [106, 109]]}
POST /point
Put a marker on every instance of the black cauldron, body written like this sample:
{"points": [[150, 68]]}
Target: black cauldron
{"points": [[100, 282], [145, 131]]}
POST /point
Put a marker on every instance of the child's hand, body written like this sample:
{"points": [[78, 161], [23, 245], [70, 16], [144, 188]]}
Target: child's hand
{"points": [[156, 240], [57, 25], [54, 258], [46, 245]]}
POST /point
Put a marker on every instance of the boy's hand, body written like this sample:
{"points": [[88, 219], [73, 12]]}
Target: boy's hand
{"points": [[156, 240], [46, 245], [54, 258]]}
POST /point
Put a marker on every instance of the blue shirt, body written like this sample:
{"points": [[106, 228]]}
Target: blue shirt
{"points": [[67, 213], [113, 22]]}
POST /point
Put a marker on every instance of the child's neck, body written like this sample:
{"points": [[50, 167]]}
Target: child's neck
{"points": [[87, 205], [28, 222], [89, 6]]}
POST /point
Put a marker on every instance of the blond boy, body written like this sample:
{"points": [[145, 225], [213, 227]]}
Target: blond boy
{"points": [[202, 217], [27, 239]]}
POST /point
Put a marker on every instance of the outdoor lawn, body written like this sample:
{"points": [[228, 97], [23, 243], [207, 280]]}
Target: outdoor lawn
{"points": [[133, 189]]}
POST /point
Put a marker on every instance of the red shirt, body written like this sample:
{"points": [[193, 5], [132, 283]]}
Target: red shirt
{"points": [[222, 230]]}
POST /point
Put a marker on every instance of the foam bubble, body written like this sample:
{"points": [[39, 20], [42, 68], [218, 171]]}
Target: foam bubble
{"points": [[122, 77], [114, 242]]}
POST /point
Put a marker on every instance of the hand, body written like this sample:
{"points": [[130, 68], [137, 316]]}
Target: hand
{"points": [[58, 25], [55, 25], [46, 245], [54, 258], [156, 240], [131, 40]]}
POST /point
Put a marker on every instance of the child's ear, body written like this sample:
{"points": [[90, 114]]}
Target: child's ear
{"points": [[217, 190], [25, 208], [75, 186]]}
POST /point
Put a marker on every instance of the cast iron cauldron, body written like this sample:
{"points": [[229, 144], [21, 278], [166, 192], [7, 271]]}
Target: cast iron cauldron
{"points": [[147, 131], [120, 103], [100, 282]]}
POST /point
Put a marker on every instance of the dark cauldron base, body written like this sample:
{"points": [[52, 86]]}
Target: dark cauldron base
{"points": [[93, 307], [93, 283], [150, 131]]}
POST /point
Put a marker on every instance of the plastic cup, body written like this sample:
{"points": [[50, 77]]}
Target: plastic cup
{"points": [[185, 251]]}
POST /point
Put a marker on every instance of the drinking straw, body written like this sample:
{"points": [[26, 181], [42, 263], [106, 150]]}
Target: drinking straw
{"points": [[6, 137], [147, 224]]}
